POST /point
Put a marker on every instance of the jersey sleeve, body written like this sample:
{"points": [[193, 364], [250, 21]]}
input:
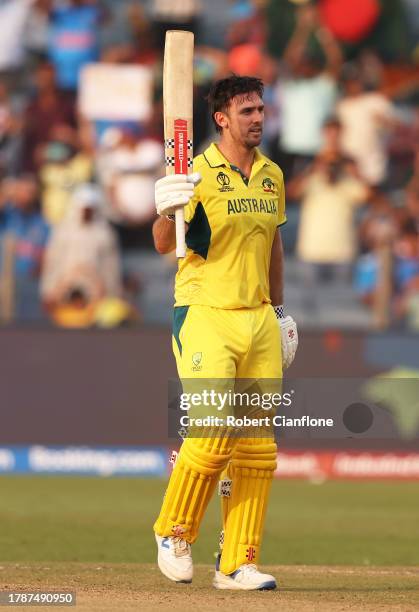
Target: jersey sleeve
{"points": [[191, 205], [193, 202], [282, 217]]}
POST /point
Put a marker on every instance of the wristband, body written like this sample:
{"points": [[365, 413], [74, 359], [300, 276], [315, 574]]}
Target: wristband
{"points": [[279, 311]]}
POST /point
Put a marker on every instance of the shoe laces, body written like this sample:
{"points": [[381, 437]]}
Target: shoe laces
{"points": [[249, 568], [181, 547]]}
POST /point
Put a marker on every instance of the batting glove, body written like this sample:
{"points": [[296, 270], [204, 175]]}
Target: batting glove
{"points": [[289, 336], [174, 191]]}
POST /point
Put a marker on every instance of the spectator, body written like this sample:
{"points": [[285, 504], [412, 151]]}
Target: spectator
{"points": [[403, 149], [406, 252], [140, 48], [30, 233], [246, 59], [144, 49], [73, 39], [64, 167], [241, 9], [306, 92], [74, 311], [252, 28], [6, 192], [175, 15], [377, 231], [47, 109], [128, 171], [413, 185], [326, 232], [405, 269], [379, 223], [330, 192], [396, 228], [365, 115], [10, 134], [13, 16], [82, 255], [36, 36], [331, 149], [409, 213], [77, 312]]}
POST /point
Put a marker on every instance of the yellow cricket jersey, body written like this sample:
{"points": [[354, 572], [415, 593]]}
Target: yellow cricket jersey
{"points": [[232, 224]]}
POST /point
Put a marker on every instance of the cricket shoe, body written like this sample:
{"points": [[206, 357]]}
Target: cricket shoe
{"points": [[174, 558], [246, 578]]}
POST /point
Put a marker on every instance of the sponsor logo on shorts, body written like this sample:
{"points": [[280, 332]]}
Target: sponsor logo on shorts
{"points": [[196, 360]]}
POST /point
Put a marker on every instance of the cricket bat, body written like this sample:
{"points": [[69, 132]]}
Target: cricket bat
{"points": [[178, 114]]}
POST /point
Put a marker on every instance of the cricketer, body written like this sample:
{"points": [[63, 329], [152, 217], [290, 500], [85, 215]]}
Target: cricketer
{"points": [[228, 323]]}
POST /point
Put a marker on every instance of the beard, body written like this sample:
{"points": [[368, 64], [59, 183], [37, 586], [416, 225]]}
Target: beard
{"points": [[253, 139]]}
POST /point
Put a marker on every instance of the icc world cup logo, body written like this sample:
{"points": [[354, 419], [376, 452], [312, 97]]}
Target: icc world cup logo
{"points": [[223, 179]]}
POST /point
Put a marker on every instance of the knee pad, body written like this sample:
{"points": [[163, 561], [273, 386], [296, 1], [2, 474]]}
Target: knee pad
{"points": [[191, 485]]}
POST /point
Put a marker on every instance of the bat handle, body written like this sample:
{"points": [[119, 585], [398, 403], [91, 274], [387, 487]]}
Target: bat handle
{"points": [[180, 232]]}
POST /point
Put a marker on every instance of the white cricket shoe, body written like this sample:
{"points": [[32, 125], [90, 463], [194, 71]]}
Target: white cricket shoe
{"points": [[246, 578], [174, 558]]}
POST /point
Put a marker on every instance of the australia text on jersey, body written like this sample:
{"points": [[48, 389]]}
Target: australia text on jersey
{"points": [[251, 205]]}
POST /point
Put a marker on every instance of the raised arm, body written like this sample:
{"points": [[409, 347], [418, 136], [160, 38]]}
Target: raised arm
{"points": [[297, 45], [332, 51], [307, 23]]}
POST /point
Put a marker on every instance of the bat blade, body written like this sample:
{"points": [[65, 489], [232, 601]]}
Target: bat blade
{"points": [[178, 113]]}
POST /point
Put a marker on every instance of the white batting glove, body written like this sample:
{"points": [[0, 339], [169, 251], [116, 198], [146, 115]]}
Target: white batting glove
{"points": [[289, 336], [174, 191]]}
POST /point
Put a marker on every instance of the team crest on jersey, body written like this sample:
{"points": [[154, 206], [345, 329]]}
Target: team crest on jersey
{"points": [[224, 181], [196, 360], [268, 185]]}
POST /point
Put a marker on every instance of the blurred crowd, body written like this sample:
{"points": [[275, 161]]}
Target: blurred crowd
{"points": [[81, 143]]}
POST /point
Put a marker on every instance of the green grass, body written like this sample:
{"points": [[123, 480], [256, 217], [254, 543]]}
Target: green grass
{"points": [[109, 521]]}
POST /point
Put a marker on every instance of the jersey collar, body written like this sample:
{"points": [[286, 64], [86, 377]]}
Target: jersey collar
{"points": [[214, 157]]}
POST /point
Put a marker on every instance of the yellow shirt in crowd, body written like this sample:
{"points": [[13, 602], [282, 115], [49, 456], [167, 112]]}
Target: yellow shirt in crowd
{"points": [[59, 181]]}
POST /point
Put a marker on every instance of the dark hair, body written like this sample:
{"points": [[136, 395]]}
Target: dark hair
{"points": [[224, 90], [332, 121], [409, 228], [74, 294]]}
